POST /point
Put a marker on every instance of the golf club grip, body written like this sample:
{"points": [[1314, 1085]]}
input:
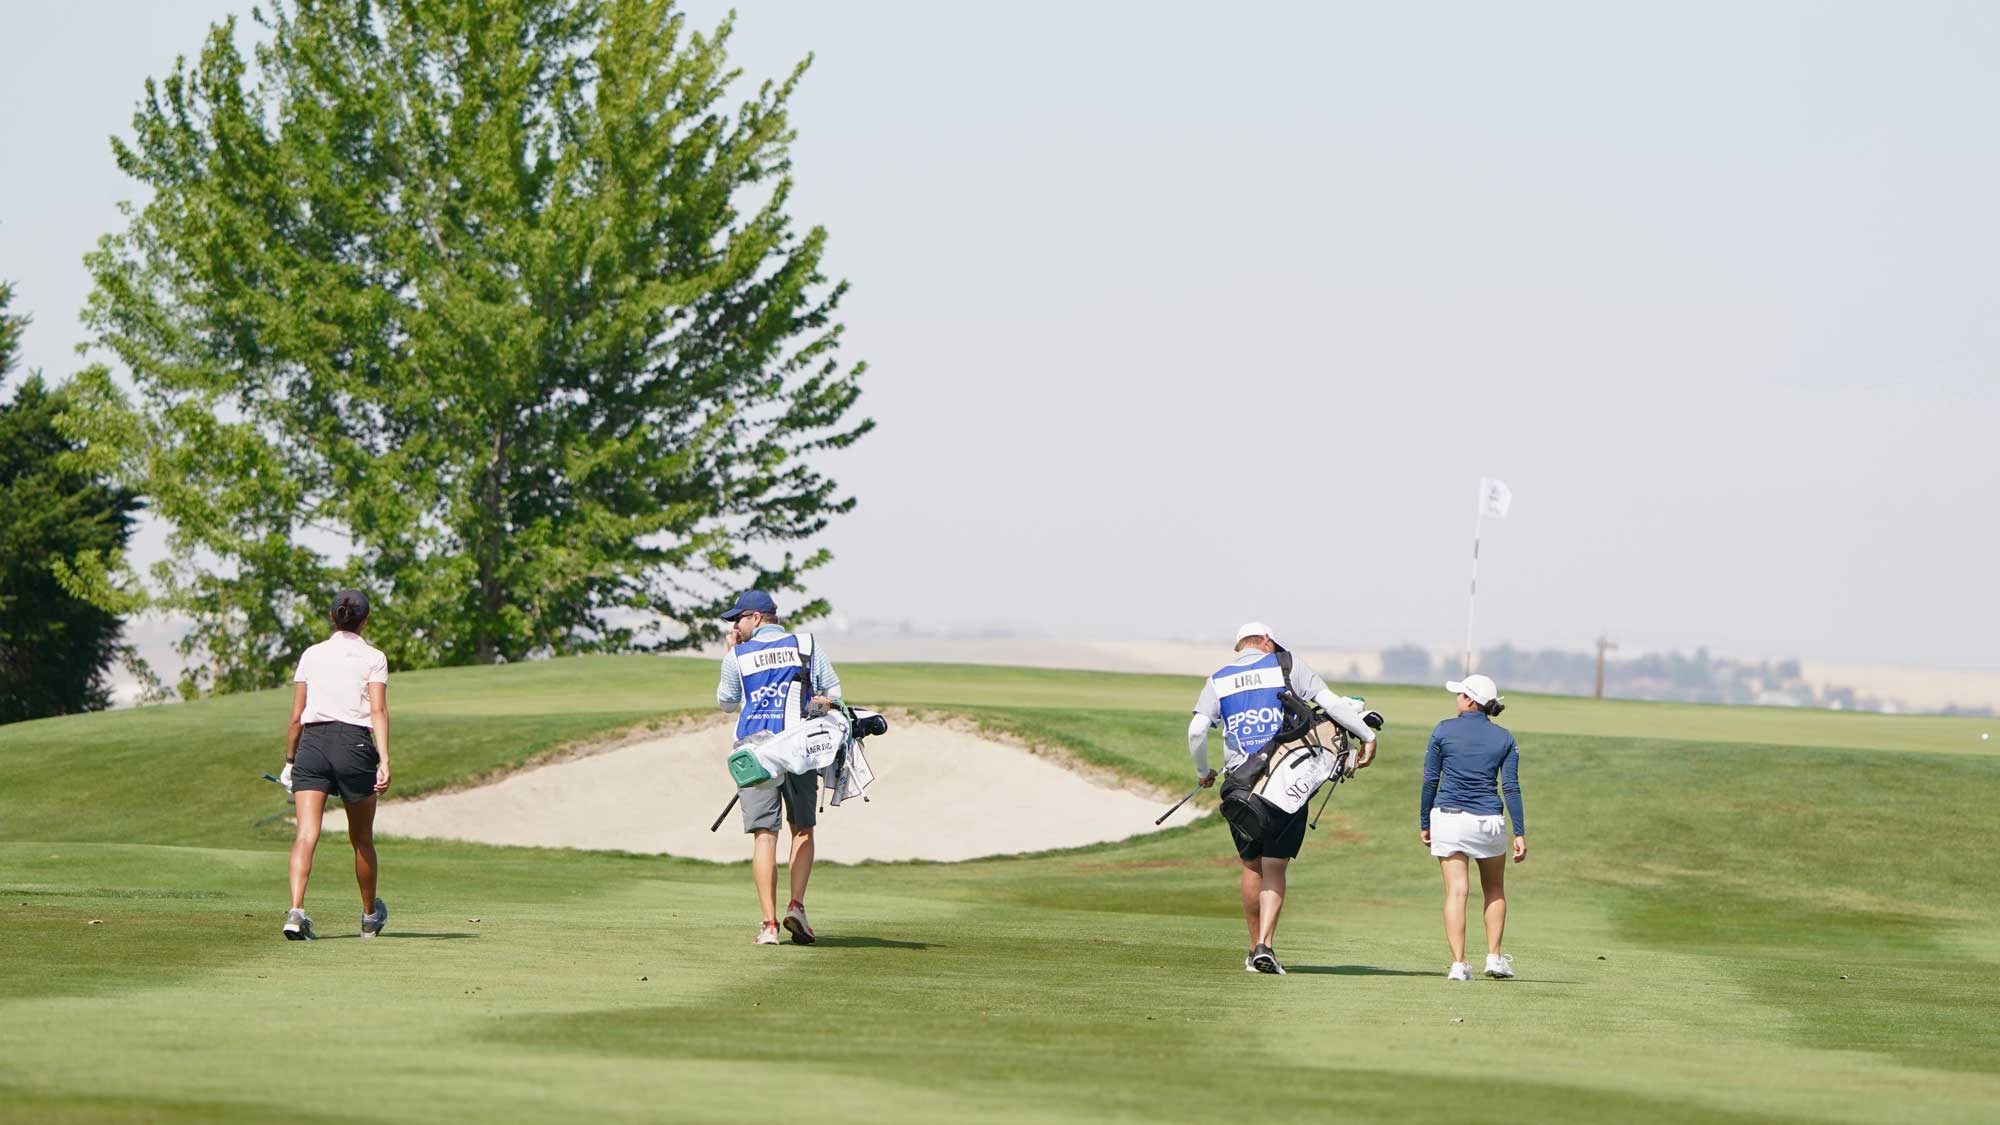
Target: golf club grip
{"points": [[725, 812], [1177, 806]]}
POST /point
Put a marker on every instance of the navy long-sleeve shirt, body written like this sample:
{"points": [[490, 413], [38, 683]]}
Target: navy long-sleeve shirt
{"points": [[1471, 761]]}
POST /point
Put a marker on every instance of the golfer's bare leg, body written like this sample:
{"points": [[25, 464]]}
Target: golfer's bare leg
{"points": [[1271, 899], [1453, 867], [764, 868], [1253, 889], [1493, 884], [802, 862], [308, 806], [361, 833]]}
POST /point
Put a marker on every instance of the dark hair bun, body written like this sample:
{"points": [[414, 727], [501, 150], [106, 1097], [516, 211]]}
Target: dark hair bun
{"points": [[1493, 709], [350, 610]]}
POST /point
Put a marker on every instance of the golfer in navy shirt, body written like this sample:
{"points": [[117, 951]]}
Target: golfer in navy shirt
{"points": [[1470, 763]]}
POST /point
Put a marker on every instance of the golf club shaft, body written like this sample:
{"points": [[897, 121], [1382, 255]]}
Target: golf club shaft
{"points": [[724, 812], [272, 780], [1178, 804], [1339, 775]]}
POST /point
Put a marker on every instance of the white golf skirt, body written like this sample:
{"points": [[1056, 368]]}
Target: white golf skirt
{"points": [[1481, 837]]}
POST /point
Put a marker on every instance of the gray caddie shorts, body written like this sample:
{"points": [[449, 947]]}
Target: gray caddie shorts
{"points": [[799, 791]]}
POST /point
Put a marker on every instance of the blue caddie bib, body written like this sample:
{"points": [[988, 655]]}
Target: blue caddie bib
{"points": [[774, 684], [1251, 713]]}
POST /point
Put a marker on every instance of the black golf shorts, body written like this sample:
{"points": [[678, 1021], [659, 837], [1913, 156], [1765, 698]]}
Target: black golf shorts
{"points": [[336, 758], [1277, 835], [1283, 837]]}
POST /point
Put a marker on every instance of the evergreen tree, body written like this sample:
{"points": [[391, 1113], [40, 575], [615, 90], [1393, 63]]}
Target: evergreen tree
{"points": [[56, 647]]}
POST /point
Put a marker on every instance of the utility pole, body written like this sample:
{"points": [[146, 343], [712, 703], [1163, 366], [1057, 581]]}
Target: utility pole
{"points": [[1603, 646]]}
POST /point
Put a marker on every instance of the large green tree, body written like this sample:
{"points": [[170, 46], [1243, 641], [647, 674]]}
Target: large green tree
{"points": [[56, 646], [498, 297]]}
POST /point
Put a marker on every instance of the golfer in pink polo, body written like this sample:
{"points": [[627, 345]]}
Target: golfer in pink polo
{"points": [[338, 743]]}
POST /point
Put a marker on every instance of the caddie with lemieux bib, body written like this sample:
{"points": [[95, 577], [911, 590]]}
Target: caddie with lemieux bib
{"points": [[776, 678], [1247, 698]]}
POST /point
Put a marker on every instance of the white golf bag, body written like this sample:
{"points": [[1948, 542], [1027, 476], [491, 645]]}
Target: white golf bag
{"points": [[829, 745]]}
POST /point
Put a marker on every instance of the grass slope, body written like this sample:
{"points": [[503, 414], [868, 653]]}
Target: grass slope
{"points": [[1703, 879]]}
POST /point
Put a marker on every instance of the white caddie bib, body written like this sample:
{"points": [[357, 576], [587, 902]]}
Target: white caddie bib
{"points": [[1253, 679], [766, 659]]}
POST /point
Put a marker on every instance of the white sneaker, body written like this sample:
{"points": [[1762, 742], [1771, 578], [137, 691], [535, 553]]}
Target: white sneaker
{"points": [[298, 927], [1247, 958], [767, 934], [1459, 971], [1499, 966], [799, 928]]}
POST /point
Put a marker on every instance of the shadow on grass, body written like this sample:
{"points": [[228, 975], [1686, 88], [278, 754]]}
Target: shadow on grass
{"points": [[1355, 971], [395, 935], [1373, 971], [871, 943]]}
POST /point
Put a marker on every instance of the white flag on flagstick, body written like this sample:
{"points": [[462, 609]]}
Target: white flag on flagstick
{"points": [[1494, 498]]}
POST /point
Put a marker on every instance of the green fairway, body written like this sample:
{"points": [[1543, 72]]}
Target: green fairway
{"points": [[1729, 914]]}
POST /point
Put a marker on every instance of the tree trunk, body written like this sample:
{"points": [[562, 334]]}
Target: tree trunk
{"points": [[493, 543]]}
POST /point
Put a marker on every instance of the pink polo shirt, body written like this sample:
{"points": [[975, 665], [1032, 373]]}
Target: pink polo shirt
{"points": [[337, 672]]}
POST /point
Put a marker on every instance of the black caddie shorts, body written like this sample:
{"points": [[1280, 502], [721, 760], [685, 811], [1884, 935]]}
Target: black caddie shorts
{"points": [[336, 758], [1278, 835]]}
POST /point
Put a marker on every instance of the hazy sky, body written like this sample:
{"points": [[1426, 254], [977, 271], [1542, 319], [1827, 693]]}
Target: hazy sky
{"points": [[1181, 314]]}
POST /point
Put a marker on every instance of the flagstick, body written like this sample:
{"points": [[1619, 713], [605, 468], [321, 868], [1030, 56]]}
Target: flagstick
{"points": [[1478, 523]]}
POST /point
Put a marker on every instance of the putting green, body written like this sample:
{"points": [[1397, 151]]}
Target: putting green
{"points": [[1729, 914]]}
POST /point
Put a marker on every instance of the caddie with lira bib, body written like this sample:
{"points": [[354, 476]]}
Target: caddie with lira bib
{"points": [[777, 680], [1267, 702]]}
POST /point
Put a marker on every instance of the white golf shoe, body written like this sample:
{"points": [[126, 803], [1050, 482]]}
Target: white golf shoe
{"points": [[298, 927], [1459, 971], [797, 926], [767, 934], [1499, 966], [373, 921]]}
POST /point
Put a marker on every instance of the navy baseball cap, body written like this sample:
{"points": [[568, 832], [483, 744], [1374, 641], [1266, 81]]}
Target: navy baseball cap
{"points": [[752, 601]]}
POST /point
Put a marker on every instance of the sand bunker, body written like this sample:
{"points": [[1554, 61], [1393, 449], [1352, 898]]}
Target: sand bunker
{"points": [[940, 793]]}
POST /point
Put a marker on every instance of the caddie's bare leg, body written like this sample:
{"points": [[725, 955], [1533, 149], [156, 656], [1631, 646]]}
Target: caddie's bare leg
{"points": [[1271, 900], [764, 868], [801, 865], [1253, 888]]}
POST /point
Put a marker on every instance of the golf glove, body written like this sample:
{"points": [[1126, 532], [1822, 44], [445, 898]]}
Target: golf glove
{"points": [[285, 777]]}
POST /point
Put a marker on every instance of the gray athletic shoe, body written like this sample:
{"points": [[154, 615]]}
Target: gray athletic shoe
{"points": [[298, 927], [373, 921], [1262, 960]]}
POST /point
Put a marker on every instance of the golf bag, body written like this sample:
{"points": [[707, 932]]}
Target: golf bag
{"points": [[829, 745], [1271, 786]]}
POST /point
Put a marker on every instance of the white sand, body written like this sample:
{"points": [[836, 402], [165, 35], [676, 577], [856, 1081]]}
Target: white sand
{"points": [[940, 793]]}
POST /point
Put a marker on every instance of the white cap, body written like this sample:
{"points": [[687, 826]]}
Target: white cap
{"points": [[1254, 629], [1479, 689]]}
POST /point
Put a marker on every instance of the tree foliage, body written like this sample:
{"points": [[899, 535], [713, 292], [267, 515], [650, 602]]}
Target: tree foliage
{"points": [[56, 647], [498, 296]]}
